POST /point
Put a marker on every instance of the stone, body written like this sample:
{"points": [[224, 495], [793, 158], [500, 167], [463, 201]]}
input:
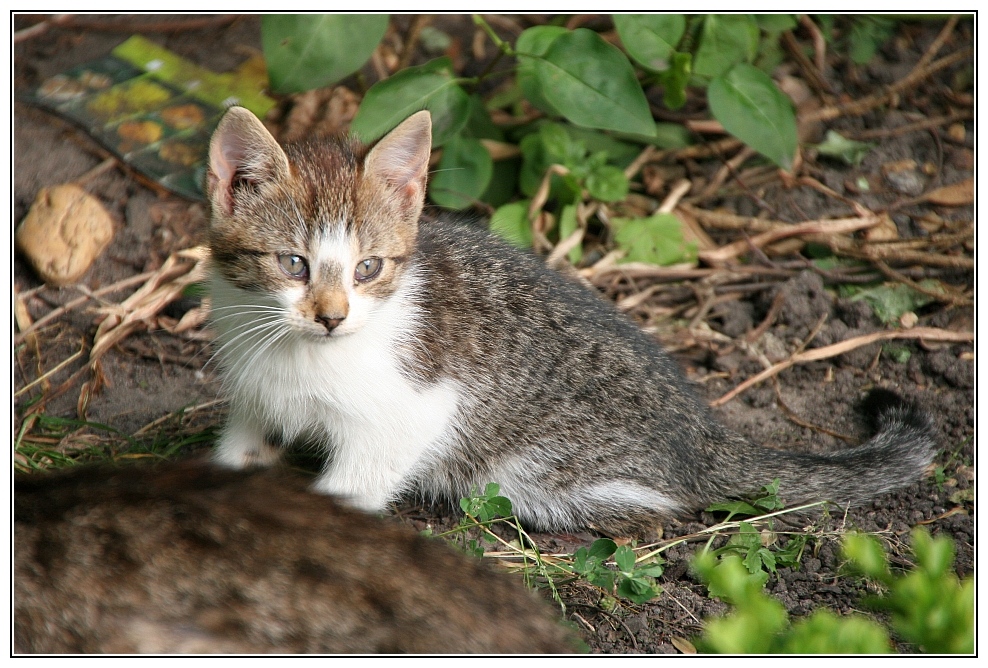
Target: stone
{"points": [[63, 233]]}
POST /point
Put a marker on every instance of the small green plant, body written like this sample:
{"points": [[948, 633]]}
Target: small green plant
{"points": [[633, 580], [759, 624], [929, 606], [760, 554], [615, 570]]}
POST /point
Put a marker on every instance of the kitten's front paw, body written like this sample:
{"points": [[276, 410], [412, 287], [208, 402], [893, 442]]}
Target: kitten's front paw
{"points": [[240, 448], [369, 502]]}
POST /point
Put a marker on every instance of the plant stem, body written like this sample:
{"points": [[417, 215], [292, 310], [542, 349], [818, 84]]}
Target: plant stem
{"points": [[505, 48]]}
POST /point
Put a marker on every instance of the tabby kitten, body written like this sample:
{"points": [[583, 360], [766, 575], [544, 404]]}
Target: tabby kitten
{"points": [[433, 357], [186, 558]]}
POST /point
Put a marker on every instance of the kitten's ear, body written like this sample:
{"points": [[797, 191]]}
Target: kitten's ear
{"points": [[401, 159], [242, 151]]}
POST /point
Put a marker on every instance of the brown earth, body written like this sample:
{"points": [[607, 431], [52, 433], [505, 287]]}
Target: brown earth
{"points": [[150, 377]]}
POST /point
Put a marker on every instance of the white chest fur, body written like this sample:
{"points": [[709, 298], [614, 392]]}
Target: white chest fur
{"points": [[347, 392]]}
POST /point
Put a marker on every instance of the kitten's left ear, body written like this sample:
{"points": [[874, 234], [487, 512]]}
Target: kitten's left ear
{"points": [[242, 151], [401, 159]]}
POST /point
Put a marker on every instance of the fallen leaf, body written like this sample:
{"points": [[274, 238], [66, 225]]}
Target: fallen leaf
{"points": [[957, 194], [683, 645]]}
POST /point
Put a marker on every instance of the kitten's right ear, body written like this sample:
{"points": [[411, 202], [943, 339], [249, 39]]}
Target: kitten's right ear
{"points": [[401, 159], [241, 151]]}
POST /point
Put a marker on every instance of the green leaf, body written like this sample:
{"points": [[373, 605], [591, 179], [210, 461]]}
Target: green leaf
{"points": [[303, 52], [311, 51], [430, 86], [650, 38], [592, 84], [725, 41], [607, 184], [624, 557], [655, 240], [750, 106], [733, 508], [510, 222], [866, 555], [868, 33], [637, 590], [776, 23], [463, 175], [535, 41], [823, 632], [675, 79], [836, 146], [889, 302], [602, 548]]}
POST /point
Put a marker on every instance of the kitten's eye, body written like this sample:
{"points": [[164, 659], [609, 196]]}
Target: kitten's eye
{"points": [[294, 265], [368, 268]]}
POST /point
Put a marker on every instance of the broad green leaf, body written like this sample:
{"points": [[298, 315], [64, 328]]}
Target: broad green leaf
{"points": [[667, 136], [725, 41], [675, 79], [750, 106], [535, 41], [775, 23], [430, 86], [637, 590], [850, 151], [463, 174], [650, 38], [592, 84], [311, 51], [624, 557], [733, 508], [602, 548], [654, 240], [607, 184], [510, 222]]}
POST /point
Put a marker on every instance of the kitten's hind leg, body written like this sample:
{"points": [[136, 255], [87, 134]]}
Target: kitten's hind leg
{"points": [[242, 445]]}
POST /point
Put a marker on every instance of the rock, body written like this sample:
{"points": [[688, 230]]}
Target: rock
{"points": [[63, 233]]}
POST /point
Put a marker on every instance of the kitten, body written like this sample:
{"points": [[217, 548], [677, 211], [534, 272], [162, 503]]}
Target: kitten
{"points": [[433, 357], [186, 558]]}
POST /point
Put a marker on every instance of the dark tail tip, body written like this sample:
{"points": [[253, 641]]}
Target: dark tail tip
{"points": [[884, 408]]}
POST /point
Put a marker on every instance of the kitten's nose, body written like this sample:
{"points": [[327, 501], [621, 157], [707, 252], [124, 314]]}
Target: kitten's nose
{"points": [[330, 322]]}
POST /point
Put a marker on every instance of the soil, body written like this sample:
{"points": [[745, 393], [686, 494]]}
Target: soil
{"points": [[152, 376]]}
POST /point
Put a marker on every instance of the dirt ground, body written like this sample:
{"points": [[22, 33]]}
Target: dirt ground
{"points": [[151, 376]]}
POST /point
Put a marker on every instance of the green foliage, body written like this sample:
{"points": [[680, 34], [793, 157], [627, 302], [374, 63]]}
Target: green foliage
{"points": [[431, 86], [850, 151], [651, 39], [305, 51], [592, 84], [930, 606], [657, 239], [463, 175], [592, 93], [617, 571], [510, 222], [725, 41], [750, 106], [633, 581], [488, 505], [890, 301]]}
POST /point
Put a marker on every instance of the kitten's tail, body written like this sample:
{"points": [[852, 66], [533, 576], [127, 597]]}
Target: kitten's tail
{"points": [[895, 457]]}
